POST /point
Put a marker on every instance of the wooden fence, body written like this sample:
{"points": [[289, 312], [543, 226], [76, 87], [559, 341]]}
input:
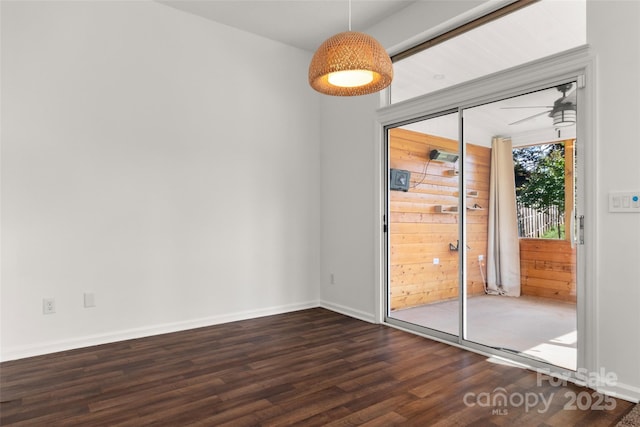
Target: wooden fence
{"points": [[534, 224]]}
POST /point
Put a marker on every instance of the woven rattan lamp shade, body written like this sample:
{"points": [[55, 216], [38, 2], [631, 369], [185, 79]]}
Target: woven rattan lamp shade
{"points": [[350, 51]]}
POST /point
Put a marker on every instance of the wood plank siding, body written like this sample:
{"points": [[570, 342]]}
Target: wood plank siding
{"points": [[307, 368], [548, 269], [419, 233]]}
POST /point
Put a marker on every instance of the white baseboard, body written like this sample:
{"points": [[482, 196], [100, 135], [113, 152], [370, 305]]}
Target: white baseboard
{"points": [[348, 311], [91, 340], [622, 391]]}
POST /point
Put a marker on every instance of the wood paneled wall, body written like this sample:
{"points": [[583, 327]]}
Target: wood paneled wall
{"points": [[548, 269], [418, 233]]}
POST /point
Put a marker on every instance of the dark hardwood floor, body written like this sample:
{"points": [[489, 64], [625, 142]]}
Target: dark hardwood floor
{"points": [[310, 368]]}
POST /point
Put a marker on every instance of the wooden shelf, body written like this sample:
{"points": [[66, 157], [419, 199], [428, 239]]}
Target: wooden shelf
{"points": [[445, 209], [472, 194]]}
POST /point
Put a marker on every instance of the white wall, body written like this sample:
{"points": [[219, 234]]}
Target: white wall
{"points": [[166, 163], [348, 208], [613, 29], [347, 205]]}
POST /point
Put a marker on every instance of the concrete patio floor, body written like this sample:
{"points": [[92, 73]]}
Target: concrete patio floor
{"points": [[538, 327]]}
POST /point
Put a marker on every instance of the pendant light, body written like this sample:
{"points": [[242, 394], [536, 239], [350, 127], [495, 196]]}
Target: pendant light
{"points": [[350, 63]]}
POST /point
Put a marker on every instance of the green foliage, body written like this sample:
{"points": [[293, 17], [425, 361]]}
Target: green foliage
{"points": [[553, 233], [527, 160], [545, 185], [539, 171]]}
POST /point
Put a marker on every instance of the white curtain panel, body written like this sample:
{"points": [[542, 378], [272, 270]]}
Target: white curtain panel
{"points": [[503, 256]]}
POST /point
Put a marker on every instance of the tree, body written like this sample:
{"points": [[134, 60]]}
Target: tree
{"points": [[543, 188], [526, 160]]}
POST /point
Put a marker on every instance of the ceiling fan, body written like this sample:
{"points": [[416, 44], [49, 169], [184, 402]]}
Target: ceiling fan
{"points": [[563, 110]]}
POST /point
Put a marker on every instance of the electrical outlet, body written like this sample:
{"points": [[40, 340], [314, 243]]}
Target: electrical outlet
{"points": [[436, 261], [89, 300], [48, 306], [480, 257]]}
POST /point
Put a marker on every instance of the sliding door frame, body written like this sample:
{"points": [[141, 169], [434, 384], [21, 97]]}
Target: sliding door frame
{"points": [[575, 64]]}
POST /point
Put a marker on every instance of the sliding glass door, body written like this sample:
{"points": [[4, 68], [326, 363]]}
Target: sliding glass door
{"points": [[424, 281], [481, 225], [519, 207]]}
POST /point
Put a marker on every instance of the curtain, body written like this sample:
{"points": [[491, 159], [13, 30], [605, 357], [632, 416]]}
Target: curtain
{"points": [[503, 253]]}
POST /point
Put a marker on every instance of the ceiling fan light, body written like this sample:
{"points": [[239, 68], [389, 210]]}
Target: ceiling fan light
{"points": [[349, 54], [564, 117]]}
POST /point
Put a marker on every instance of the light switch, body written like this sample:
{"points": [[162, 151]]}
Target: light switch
{"points": [[624, 201], [616, 201]]}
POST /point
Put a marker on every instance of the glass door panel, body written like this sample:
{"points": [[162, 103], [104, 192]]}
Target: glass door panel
{"points": [[423, 224], [519, 191]]}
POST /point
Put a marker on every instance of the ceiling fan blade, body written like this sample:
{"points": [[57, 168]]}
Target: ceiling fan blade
{"points": [[529, 118], [529, 106]]}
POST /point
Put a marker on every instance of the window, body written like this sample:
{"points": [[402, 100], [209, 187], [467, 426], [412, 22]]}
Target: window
{"points": [[532, 32]]}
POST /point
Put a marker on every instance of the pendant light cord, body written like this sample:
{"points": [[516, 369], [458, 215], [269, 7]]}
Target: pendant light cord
{"points": [[349, 15]]}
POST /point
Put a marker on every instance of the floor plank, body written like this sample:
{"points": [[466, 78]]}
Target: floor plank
{"points": [[310, 368]]}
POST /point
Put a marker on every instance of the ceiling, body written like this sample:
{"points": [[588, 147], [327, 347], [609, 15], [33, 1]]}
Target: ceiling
{"points": [[300, 23], [536, 31]]}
